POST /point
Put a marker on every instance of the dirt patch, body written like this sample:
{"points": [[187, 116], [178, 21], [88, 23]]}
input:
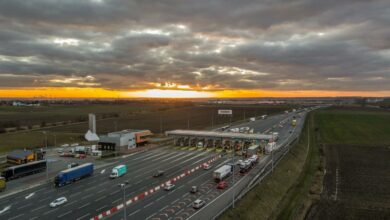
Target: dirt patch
{"points": [[356, 184]]}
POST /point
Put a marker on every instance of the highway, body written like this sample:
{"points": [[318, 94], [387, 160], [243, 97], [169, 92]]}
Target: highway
{"points": [[93, 195]]}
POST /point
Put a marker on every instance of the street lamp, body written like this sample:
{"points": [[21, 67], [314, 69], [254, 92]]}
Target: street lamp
{"points": [[47, 162], [123, 186]]}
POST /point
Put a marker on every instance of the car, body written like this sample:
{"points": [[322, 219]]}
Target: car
{"points": [[58, 202], [194, 189], [198, 204], [158, 173], [169, 187], [222, 185], [207, 166], [71, 165], [60, 150]]}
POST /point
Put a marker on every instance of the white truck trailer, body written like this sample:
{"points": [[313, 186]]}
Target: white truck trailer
{"points": [[222, 172], [252, 150]]}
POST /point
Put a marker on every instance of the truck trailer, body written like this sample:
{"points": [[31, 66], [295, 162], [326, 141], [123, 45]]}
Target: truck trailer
{"points": [[245, 166], [24, 169], [252, 150], [70, 175], [222, 172], [118, 171], [269, 147]]}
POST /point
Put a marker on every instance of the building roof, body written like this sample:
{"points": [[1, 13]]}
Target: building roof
{"points": [[19, 154], [217, 134], [127, 131]]}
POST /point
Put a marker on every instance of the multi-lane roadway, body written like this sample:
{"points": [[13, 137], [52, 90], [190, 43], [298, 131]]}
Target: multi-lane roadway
{"points": [[96, 194]]}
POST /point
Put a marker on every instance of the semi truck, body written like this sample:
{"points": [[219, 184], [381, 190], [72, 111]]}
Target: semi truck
{"points": [[118, 171], [24, 169], [73, 174], [269, 147], [252, 150], [222, 172], [2, 184]]}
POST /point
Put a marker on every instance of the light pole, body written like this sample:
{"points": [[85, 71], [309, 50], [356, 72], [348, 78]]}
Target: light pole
{"points": [[47, 162], [123, 186]]}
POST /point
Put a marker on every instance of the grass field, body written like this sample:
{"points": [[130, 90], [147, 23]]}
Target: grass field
{"points": [[156, 117]]}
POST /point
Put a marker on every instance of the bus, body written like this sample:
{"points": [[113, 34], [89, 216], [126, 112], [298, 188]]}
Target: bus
{"points": [[24, 169]]}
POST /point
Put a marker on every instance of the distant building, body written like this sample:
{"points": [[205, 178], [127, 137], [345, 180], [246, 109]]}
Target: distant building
{"points": [[123, 140], [17, 103], [21, 157]]}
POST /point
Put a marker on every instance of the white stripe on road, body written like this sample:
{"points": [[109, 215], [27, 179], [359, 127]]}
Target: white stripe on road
{"points": [[116, 201], [148, 205], [160, 198], [21, 207], [163, 208], [86, 204], [101, 208], [70, 203], [100, 198], [87, 196], [75, 194], [15, 216], [134, 212], [53, 210], [40, 207], [81, 217], [66, 213]]}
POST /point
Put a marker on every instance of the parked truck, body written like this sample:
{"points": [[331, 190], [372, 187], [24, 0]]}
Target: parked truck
{"points": [[222, 172], [2, 184], [252, 119], [118, 171], [73, 174], [252, 150]]}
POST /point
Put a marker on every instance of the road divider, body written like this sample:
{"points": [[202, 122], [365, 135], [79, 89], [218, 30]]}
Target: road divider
{"points": [[154, 189]]}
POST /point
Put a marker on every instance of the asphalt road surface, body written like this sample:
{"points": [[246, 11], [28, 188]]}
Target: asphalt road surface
{"points": [[93, 195]]}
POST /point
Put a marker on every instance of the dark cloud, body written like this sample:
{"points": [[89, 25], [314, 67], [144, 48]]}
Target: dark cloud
{"points": [[277, 45]]}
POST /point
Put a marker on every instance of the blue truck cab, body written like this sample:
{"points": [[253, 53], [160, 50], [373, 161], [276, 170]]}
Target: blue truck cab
{"points": [[73, 174]]}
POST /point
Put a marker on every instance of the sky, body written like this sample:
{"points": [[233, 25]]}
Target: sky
{"points": [[196, 48]]}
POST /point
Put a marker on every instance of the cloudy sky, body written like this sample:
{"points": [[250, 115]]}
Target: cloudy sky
{"points": [[245, 47]]}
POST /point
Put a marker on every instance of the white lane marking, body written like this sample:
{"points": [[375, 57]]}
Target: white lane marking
{"points": [[34, 218], [150, 216], [116, 201], [43, 199], [40, 207], [180, 187], [49, 211], [87, 196], [163, 208], [134, 212], [66, 213], [185, 195], [49, 191], [16, 216], [70, 203], [104, 170], [175, 201], [101, 208], [115, 192], [100, 198], [22, 207], [75, 194], [29, 195], [100, 191], [81, 217], [160, 198], [198, 177], [86, 204], [148, 205]]}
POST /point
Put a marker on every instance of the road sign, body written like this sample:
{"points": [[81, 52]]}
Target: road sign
{"points": [[225, 112]]}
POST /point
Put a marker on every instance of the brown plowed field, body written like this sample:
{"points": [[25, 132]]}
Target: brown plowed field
{"points": [[356, 184]]}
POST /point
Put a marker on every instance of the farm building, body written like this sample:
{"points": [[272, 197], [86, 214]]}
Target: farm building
{"points": [[123, 140]]}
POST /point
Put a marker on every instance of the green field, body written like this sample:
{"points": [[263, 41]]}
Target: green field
{"points": [[354, 126]]}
